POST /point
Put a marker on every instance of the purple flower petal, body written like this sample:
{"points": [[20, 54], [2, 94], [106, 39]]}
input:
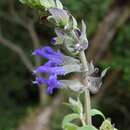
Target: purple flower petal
{"points": [[53, 84], [52, 67], [51, 64], [49, 53], [45, 51], [49, 70], [40, 80], [53, 40]]}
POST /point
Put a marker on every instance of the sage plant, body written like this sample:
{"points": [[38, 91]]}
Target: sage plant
{"points": [[69, 58]]}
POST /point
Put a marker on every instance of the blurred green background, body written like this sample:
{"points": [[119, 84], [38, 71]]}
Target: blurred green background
{"points": [[108, 28]]}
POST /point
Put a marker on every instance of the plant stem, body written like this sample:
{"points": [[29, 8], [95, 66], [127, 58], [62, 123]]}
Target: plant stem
{"points": [[87, 94], [88, 107], [82, 119]]}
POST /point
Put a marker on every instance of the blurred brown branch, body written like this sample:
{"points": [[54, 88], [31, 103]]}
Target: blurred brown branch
{"points": [[106, 31], [36, 44], [35, 41], [28, 25], [7, 43], [42, 120], [102, 39]]}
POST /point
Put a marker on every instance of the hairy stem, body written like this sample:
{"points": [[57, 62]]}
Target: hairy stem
{"points": [[82, 120], [88, 107], [87, 94]]}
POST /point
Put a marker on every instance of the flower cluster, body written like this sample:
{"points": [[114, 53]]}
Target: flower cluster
{"points": [[53, 68], [73, 41]]}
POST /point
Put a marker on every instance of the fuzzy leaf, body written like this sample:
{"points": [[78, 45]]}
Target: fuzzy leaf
{"points": [[68, 118], [68, 46], [59, 41], [60, 16], [74, 23], [73, 102], [95, 112], [87, 127], [70, 126], [94, 84], [91, 68], [59, 32], [83, 28], [72, 68], [32, 3], [104, 72], [59, 4], [74, 85], [68, 60], [83, 39], [80, 105], [76, 105], [106, 125], [47, 3]]}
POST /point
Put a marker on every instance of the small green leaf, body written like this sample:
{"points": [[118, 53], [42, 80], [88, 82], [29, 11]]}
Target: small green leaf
{"points": [[106, 125], [47, 3], [104, 72], [68, 118], [95, 112], [68, 46], [76, 105], [60, 16], [72, 68], [74, 23], [59, 4], [69, 60], [32, 3], [87, 127], [80, 105], [71, 126]]}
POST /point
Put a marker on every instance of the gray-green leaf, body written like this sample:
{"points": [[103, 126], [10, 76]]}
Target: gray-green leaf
{"points": [[71, 126], [106, 125], [95, 112], [87, 127], [68, 118], [47, 3], [72, 68], [59, 4], [104, 72], [68, 60], [74, 85], [60, 16]]}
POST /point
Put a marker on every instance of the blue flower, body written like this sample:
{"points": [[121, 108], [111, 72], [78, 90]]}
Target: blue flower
{"points": [[52, 83], [53, 40], [53, 68], [40, 80], [50, 54], [49, 70]]}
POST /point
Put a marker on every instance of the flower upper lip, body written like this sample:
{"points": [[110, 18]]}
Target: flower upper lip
{"points": [[53, 67]]}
